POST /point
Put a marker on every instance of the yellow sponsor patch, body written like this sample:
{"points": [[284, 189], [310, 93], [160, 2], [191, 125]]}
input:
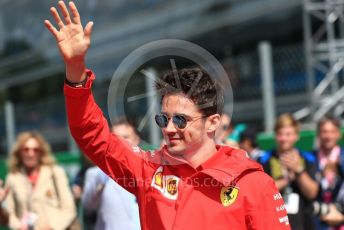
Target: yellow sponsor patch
{"points": [[228, 195], [172, 186], [158, 179]]}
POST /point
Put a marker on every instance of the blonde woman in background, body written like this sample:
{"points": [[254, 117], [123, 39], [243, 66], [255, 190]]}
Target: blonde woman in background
{"points": [[39, 196]]}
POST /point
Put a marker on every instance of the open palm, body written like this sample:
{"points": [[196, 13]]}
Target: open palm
{"points": [[73, 41]]}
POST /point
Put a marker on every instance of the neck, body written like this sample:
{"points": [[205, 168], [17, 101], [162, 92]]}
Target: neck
{"points": [[30, 171], [201, 155], [281, 151], [250, 149], [327, 151]]}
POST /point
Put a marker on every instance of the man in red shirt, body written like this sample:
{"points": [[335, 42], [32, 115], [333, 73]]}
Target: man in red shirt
{"points": [[191, 183]]}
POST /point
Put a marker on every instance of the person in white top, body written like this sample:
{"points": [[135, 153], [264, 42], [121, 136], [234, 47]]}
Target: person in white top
{"points": [[116, 208]]}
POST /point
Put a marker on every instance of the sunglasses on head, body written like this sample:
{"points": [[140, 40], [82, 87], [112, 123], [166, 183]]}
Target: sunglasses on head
{"points": [[179, 121]]}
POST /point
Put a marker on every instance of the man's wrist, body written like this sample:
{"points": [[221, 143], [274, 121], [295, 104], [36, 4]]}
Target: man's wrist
{"points": [[76, 72], [77, 84], [300, 170]]}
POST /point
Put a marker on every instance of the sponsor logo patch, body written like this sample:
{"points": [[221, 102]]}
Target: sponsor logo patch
{"points": [[172, 186], [166, 184], [284, 220], [158, 179], [228, 195]]}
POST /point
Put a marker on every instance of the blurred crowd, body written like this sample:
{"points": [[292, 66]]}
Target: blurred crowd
{"points": [[37, 193]]}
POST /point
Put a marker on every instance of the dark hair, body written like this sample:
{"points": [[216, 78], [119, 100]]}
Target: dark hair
{"points": [[326, 119], [250, 135], [123, 121], [204, 91]]}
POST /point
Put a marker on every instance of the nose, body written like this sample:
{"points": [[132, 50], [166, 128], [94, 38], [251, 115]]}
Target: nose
{"points": [[170, 128], [30, 152]]}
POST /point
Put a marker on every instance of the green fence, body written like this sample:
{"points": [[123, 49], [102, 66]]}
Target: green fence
{"points": [[306, 142], [70, 162]]}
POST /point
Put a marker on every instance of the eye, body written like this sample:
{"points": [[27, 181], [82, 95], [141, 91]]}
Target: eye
{"points": [[161, 120], [180, 121]]}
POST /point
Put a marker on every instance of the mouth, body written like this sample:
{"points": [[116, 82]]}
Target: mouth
{"points": [[173, 139]]}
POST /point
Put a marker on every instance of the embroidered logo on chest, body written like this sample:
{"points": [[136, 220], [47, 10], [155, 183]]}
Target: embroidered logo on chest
{"points": [[166, 184], [172, 186], [228, 195]]}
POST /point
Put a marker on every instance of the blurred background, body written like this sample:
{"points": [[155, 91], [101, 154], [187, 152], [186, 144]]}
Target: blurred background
{"points": [[281, 56]]}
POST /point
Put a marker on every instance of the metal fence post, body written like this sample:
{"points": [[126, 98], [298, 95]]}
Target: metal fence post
{"points": [[266, 69], [10, 124], [154, 132]]}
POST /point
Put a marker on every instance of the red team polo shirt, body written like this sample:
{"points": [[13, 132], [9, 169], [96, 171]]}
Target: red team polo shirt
{"points": [[228, 191]]}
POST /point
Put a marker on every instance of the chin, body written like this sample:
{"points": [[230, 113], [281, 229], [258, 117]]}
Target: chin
{"points": [[176, 150], [30, 165]]}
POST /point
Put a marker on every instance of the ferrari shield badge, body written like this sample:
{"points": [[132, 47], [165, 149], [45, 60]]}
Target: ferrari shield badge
{"points": [[228, 195]]}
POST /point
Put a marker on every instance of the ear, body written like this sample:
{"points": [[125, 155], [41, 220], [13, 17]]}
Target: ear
{"points": [[339, 135], [297, 136], [138, 140], [213, 123]]}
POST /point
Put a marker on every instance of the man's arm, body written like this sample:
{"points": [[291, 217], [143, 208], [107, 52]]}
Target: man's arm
{"points": [[270, 213], [308, 186], [86, 121], [281, 183], [334, 217], [302, 175]]}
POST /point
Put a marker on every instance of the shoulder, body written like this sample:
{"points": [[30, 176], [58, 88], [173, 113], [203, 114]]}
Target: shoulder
{"points": [[265, 156], [17, 175], [12, 176], [236, 153], [308, 156], [16, 181], [257, 187], [93, 172], [256, 179], [56, 169], [255, 184]]}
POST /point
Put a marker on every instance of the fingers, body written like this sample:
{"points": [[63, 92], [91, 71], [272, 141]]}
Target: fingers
{"points": [[3, 191], [6, 190], [88, 30], [284, 159], [65, 13], [75, 13], [51, 28], [56, 17]]}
